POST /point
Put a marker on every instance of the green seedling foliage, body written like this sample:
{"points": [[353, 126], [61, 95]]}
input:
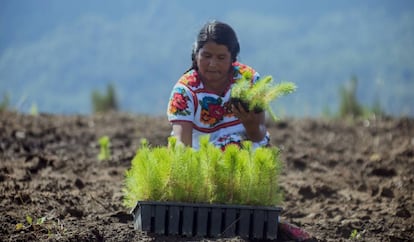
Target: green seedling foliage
{"points": [[208, 175], [228, 173], [158, 172], [179, 176], [239, 90], [264, 183], [257, 94], [31, 222], [355, 235], [243, 178], [38, 227], [261, 93], [199, 168], [140, 185], [29, 219], [210, 158], [104, 152]]}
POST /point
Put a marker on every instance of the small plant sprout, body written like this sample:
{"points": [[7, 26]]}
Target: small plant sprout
{"points": [[355, 235], [31, 223], [258, 96], [44, 228], [104, 153]]}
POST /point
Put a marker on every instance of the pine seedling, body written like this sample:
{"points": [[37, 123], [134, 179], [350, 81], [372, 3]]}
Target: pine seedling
{"points": [[136, 187], [246, 172], [159, 169], [176, 188], [228, 176], [210, 156], [196, 182], [179, 180], [265, 172], [104, 144]]}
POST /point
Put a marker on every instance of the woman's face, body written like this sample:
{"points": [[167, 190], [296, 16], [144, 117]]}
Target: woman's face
{"points": [[214, 62]]}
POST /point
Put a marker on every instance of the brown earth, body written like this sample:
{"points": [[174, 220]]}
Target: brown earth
{"points": [[339, 177]]}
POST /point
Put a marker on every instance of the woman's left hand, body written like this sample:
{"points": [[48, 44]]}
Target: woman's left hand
{"points": [[245, 116], [253, 122]]}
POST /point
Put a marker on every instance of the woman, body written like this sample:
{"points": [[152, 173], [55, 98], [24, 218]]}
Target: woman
{"points": [[200, 100]]}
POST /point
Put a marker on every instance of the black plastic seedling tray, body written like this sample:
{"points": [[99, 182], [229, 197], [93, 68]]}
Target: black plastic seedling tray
{"points": [[206, 220]]}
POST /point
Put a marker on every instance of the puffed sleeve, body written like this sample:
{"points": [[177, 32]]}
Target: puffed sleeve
{"points": [[181, 104], [255, 77]]}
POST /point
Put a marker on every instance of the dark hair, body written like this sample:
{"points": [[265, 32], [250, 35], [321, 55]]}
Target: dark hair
{"points": [[219, 32]]}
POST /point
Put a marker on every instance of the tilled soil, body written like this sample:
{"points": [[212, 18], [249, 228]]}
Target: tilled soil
{"points": [[342, 180]]}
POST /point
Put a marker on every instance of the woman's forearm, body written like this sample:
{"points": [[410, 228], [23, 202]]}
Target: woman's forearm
{"points": [[255, 132], [183, 132]]}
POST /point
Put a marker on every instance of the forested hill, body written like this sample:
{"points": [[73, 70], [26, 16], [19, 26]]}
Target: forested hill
{"points": [[53, 54]]}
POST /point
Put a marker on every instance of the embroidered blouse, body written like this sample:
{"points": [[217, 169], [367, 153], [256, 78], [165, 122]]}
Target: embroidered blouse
{"points": [[208, 112]]}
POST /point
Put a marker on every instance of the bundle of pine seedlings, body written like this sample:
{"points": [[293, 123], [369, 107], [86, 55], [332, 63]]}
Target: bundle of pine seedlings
{"points": [[258, 96]]}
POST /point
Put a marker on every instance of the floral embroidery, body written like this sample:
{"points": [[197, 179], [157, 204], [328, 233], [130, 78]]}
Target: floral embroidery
{"points": [[227, 140], [212, 111], [216, 111], [206, 118], [190, 79], [238, 143], [243, 70], [179, 103], [227, 109]]}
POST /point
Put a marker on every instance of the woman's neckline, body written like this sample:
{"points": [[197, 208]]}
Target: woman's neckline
{"points": [[218, 91]]}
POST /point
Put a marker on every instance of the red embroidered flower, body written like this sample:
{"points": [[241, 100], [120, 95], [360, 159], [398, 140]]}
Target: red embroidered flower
{"points": [[178, 104], [193, 81], [179, 101], [216, 111], [190, 79]]}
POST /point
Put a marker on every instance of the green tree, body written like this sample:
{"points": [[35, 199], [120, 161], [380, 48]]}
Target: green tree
{"points": [[377, 109], [103, 103], [5, 103], [349, 105]]}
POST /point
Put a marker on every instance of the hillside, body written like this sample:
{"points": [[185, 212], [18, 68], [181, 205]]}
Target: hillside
{"points": [[56, 60], [339, 177]]}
